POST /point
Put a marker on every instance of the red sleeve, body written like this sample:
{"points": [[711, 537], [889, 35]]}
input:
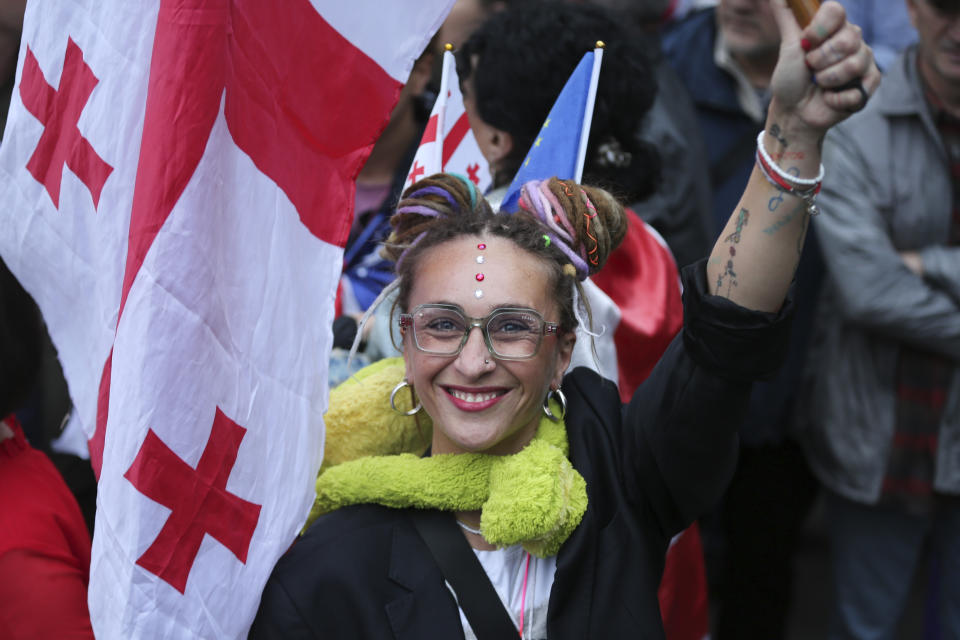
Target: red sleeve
{"points": [[42, 596]]}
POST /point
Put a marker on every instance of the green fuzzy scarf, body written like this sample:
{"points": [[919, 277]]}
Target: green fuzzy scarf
{"points": [[534, 497]]}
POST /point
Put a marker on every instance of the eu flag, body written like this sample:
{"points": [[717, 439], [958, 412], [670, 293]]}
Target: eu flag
{"points": [[554, 151]]}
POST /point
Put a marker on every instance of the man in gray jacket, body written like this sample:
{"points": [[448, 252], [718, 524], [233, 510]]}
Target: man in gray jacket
{"points": [[883, 432]]}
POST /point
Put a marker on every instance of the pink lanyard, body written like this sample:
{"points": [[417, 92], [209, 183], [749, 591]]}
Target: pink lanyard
{"points": [[523, 594]]}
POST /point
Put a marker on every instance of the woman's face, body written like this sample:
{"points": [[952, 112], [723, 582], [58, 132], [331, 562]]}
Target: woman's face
{"points": [[480, 403]]}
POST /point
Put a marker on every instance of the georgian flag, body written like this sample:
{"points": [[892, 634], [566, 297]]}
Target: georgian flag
{"points": [[177, 188], [448, 143]]}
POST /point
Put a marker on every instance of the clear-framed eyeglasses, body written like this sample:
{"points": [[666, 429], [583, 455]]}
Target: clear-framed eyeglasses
{"points": [[510, 333]]}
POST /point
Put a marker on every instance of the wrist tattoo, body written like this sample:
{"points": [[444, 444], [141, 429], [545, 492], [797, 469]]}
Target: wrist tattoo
{"points": [[777, 134], [785, 220], [788, 155], [775, 202]]}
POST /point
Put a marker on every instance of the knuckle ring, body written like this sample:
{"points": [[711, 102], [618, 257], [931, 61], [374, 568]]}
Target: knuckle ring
{"points": [[864, 96], [858, 85]]}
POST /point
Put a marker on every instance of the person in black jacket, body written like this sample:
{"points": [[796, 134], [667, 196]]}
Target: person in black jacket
{"points": [[567, 498]]}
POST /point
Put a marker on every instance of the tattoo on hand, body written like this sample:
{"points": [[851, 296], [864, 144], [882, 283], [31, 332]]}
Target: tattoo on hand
{"points": [[777, 134]]}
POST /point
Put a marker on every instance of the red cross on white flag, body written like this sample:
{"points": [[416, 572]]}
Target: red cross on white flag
{"points": [[447, 143], [177, 188]]}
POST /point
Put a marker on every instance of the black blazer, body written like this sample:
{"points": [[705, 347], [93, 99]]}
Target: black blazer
{"points": [[651, 467]]}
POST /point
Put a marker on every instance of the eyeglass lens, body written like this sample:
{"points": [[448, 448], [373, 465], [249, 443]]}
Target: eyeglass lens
{"points": [[511, 333]]}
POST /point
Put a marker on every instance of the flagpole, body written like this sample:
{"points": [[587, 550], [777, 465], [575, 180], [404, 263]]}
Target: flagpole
{"points": [[588, 112], [442, 114]]}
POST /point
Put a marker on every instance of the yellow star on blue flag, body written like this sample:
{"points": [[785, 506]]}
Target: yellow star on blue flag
{"points": [[554, 151]]}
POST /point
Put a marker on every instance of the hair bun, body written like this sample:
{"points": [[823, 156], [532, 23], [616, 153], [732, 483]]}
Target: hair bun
{"points": [[587, 222], [439, 196]]}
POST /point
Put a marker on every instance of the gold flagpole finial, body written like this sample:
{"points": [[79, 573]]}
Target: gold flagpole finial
{"points": [[448, 47], [600, 44]]}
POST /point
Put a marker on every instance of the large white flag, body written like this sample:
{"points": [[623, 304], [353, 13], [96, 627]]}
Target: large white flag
{"points": [[448, 143], [177, 188]]}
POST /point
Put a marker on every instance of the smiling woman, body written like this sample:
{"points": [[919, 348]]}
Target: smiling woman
{"points": [[544, 506], [484, 388]]}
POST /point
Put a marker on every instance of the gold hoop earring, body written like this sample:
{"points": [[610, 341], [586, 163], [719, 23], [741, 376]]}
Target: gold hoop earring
{"points": [[562, 399], [393, 395]]}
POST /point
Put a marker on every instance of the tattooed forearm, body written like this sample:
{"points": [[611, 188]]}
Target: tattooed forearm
{"points": [[742, 219], [785, 220], [780, 224], [729, 273]]}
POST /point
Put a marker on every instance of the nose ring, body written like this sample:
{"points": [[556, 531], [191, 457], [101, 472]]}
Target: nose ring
{"points": [[485, 361]]}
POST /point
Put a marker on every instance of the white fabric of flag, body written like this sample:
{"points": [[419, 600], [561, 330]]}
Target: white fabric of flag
{"points": [[177, 180], [448, 143]]}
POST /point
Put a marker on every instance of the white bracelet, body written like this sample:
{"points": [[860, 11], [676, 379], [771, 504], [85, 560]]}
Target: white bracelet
{"points": [[804, 182]]}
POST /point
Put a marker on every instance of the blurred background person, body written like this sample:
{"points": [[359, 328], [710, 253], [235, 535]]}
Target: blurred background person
{"points": [[44, 542], [883, 432], [536, 45], [465, 17], [886, 27]]}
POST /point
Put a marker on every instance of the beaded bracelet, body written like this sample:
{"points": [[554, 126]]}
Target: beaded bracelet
{"points": [[787, 182]]}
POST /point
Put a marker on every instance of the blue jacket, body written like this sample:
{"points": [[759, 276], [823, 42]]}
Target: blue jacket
{"points": [[728, 132]]}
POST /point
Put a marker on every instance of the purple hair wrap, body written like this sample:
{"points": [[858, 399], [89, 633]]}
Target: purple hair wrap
{"points": [[437, 191], [419, 208], [537, 199]]}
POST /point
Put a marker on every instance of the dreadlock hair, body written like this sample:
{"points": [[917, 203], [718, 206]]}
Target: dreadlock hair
{"points": [[570, 227]]}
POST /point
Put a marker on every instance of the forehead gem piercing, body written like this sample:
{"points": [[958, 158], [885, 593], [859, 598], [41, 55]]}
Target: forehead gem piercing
{"points": [[478, 293], [479, 277], [481, 246], [481, 259]]}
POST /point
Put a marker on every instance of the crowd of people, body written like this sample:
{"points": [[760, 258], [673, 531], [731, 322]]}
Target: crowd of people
{"points": [[809, 216]]}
